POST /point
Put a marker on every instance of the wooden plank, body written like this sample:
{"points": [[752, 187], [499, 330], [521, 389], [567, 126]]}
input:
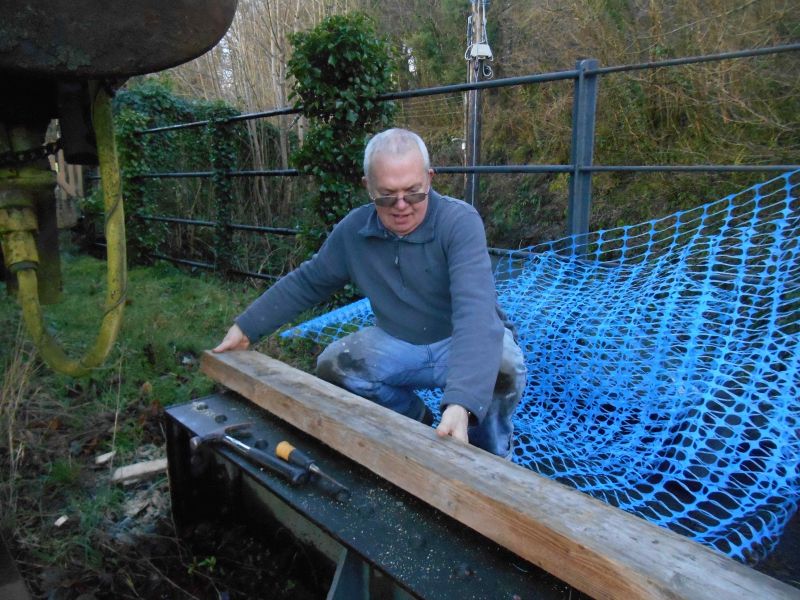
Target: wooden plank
{"points": [[140, 470], [597, 548], [63, 175]]}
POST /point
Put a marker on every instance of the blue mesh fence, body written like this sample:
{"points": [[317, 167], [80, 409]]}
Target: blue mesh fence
{"points": [[663, 365]]}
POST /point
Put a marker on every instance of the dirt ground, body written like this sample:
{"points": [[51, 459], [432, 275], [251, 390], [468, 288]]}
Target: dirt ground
{"points": [[132, 551], [147, 560]]}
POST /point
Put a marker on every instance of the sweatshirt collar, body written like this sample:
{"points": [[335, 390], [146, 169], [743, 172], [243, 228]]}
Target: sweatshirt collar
{"points": [[423, 234]]}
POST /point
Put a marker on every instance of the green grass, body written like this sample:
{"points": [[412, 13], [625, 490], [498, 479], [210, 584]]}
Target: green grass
{"points": [[61, 423], [169, 320], [63, 473], [52, 426]]}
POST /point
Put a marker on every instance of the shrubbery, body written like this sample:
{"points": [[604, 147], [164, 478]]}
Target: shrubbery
{"points": [[340, 68]]}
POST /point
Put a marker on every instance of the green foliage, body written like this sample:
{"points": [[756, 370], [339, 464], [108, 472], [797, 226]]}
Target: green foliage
{"points": [[219, 147], [209, 563], [340, 68], [153, 98], [142, 237], [223, 159], [147, 103], [63, 472], [740, 111], [431, 32]]}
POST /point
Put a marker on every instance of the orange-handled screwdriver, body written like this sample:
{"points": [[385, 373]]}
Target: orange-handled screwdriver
{"points": [[299, 458]]}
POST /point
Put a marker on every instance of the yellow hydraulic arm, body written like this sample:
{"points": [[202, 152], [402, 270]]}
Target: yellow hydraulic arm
{"points": [[18, 227], [56, 59]]}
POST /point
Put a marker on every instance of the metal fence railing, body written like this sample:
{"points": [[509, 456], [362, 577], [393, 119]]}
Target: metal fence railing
{"points": [[580, 169]]}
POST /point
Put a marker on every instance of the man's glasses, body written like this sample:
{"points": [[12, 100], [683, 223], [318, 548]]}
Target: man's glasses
{"points": [[411, 198]]}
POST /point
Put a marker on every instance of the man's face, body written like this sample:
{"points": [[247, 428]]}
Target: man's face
{"points": [[397, 176]]}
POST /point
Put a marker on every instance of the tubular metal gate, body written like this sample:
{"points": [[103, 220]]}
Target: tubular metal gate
{"points": [[585, 76]]}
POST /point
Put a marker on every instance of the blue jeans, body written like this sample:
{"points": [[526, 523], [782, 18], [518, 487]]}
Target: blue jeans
{"points": [[386, 370]]}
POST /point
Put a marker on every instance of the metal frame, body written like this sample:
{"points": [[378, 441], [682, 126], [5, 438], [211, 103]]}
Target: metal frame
{"points": [[584, 112], [381, 543]]}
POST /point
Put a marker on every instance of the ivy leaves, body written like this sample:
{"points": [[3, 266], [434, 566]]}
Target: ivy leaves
{"points": [[340, 68], [150, 102]]}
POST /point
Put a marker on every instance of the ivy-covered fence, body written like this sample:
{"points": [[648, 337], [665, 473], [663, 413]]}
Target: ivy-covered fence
{"points": [[182, 202], [210, 192]]}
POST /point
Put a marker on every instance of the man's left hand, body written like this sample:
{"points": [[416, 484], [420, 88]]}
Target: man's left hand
{"points": [[454, 423]]}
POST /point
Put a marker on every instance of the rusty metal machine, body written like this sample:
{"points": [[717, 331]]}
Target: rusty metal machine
{"points": [[63, 60]]}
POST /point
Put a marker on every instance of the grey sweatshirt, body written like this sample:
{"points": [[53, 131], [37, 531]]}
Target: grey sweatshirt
{"points": [[433, 283]]}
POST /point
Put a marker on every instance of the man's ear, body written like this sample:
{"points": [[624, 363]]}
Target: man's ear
{"points": [[430, 174], [365, 183]]}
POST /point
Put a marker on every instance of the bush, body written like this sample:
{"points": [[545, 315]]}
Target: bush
{"points": [[340, 67]]}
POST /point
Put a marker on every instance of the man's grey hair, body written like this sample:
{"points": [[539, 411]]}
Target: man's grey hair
{"points": [[395, 142]]}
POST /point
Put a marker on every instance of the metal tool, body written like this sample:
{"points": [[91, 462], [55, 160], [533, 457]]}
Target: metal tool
{"points": [[293, 474], [297, 457]]}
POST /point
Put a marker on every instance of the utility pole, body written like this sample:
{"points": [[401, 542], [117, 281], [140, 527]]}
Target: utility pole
{"points": [[478, 51]]}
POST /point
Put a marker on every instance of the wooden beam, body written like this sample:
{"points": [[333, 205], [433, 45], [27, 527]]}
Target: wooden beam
{"points": [[597, 548], [142, 470]]}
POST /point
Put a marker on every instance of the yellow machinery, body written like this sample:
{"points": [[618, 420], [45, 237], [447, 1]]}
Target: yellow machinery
{"points": [[64, 60]]}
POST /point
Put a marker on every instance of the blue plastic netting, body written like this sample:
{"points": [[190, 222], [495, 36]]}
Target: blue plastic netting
{"points": [[663, 365]]}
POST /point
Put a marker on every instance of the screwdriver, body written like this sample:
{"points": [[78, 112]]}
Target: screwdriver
{"points": [[299, 458]]}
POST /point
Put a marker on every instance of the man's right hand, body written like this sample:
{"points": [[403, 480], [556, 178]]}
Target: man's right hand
{"points": [[235, 339]]}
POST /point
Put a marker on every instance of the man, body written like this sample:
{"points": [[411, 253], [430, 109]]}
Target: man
{"points": [[421, 259]]}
